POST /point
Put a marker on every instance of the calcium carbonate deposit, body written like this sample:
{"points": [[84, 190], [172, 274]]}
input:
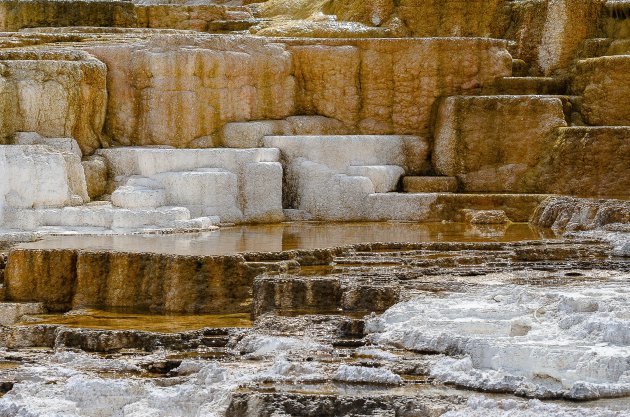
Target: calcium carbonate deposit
{"points": [[541, 342], [314, 208]]}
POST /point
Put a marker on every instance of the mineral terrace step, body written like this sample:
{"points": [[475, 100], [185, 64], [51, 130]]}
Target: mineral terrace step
{"points": [[618, 9], [613, 21], [435, 207], [520, 68], [590, 145], [619, 47], [595, 47], [603, 83], [528, 86], [10, 313], [226, 26], [413, 184], [105, 217]]}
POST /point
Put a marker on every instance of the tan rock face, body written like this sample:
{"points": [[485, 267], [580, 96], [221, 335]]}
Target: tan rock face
{"points": [[328, 81], [62, 279], [604, 83], [181, 90], [373, 13], [548, 34], [178, 17], [453, 17], [251, 134], [53, 93], [568, 23], [418, 18], [491, 142], [95, 169], [173, 90], [485, 216], [15, 15], [586, 161], [389, 86]]}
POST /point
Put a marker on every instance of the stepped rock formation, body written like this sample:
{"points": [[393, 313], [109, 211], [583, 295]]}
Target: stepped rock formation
{"points": [[314, 208], [501, 93], [56, 93]]}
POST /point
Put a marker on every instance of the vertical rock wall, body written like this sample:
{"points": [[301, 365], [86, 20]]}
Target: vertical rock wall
{"points": [[474, 18], [172, 90], [549, 33], [3, 186], [180, 91], [386, 86], [64, 279], [567, 25], [55, 93]]}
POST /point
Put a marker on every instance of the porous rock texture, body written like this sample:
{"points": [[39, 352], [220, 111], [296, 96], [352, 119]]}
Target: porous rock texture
{"points": [[375, 86], [175, 89], [56, 93], [145, 73], [585, 161], [603, 82], [96, 279], [387, 86], [490, 142], [182, 116], [574, 214]]}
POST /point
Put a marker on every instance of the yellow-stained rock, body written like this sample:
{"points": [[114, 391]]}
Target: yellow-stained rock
{"points": [[385, 86], [174, 16], [54, 93], [375, 12], [63, 279], [175, 89], [568, 23], [547, 34], [418, 18], [481, 18], [586, 161], [328, 80], [17, 14], [95, 169], [180, 90], [491, 142], [604, 83]]}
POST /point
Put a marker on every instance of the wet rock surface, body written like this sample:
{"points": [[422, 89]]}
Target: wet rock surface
{"points": [[203, 119], [318, 345]]}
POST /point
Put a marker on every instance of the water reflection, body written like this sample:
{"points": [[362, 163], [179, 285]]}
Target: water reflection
{"points": [[122, 320], [287, 236]]}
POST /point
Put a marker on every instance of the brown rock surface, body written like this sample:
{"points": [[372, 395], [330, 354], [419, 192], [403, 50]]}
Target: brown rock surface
{"points": [[63, 279], [95, 169], [175, 89], [15, 15], [585, 161], [465, 18], [55, 93], [373, 13], [491, 142], [180, 90], [328, 80], [604, 83], [568, 23], [389, 86]]}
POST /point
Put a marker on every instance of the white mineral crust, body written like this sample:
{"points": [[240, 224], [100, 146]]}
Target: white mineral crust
{"points": [[541, 342]]}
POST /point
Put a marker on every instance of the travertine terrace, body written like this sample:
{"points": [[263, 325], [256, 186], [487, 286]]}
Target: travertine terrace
{"points": [[314, 208]]}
